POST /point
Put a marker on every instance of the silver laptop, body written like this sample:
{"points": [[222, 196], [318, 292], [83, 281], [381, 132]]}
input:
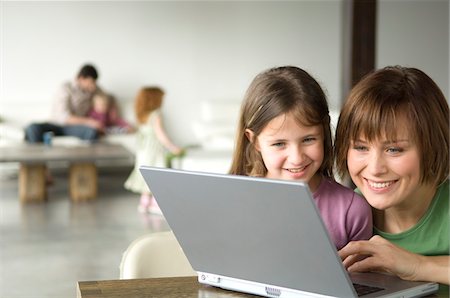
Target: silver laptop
{"points": [[261, 236]]}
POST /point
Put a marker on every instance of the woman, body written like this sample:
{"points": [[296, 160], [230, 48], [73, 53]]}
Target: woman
{"points": [[392, 138]]}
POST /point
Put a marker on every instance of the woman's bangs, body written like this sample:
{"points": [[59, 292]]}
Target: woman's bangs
{"points": [[381, 124]]}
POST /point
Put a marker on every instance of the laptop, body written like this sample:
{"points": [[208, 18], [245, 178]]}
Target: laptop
{"points": [[261, 236]]}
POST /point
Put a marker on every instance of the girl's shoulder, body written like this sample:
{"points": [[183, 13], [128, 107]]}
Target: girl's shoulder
{"points": [[331, 186], [151, 117], [154, 115], [332, 191]]}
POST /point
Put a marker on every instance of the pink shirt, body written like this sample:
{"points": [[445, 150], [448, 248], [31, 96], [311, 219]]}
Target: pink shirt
{"points": [[107, 120], [346, 215]]}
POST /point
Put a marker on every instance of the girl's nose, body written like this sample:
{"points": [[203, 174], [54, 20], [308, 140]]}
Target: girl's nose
{"points": [[296, 155]]}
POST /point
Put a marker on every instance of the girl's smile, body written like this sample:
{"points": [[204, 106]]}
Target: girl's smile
{"points": [[291, 151]]}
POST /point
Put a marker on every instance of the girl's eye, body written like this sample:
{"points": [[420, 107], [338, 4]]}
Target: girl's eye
{"points": [[279, 144], [309, 140]]}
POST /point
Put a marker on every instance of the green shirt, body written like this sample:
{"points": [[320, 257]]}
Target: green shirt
{"points": [[430, 236]]}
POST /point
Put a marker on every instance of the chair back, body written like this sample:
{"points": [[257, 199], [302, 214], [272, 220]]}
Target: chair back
{"points": [[155, 255]]}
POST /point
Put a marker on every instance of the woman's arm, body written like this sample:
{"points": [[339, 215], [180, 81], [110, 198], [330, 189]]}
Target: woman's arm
{"points": [[378, 254]]}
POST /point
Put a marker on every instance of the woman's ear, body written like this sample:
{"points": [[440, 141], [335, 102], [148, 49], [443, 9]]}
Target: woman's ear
{"points": [[251, 138]]}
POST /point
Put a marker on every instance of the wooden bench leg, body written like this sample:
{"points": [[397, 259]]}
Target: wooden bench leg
{"points": [[32, 184], [83, 181]]}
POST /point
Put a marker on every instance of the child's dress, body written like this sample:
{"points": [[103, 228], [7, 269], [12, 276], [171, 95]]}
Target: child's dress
{"points": [[149, 152]]}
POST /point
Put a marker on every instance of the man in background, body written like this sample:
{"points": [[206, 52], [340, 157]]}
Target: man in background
{"points": [[70, 111]]}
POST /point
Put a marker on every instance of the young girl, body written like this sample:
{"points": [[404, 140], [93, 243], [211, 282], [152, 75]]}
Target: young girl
{"points": [[284, 133], [151, 146]]}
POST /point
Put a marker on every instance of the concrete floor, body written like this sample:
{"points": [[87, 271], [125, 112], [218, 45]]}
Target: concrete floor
{"points": [[46, 248]]}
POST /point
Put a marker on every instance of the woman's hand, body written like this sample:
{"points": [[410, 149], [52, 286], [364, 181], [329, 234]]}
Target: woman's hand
{"points": [[378, 254]]}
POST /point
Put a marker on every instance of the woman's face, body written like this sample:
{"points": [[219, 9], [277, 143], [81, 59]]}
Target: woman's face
{"points": [[291, 151], [387, 172]]}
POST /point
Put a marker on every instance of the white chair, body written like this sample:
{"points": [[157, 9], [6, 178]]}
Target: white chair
{"points": [[155, 255]]}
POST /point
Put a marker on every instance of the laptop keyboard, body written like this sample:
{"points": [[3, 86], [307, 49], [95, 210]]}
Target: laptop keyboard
{"points": [[362, 290]]}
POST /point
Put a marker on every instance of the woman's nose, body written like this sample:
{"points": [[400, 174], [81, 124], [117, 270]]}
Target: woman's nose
{"points": [[376, 164]]}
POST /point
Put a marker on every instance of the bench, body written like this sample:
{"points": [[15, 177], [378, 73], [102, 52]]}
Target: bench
{"points": [[82, 170]]}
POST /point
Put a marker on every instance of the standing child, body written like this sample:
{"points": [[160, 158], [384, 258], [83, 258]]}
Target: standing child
{"points": [[284, 133], [105, 111], [151, 146]]}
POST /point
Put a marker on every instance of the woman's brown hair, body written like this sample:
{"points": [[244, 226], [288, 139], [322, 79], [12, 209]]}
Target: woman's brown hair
{"points": [[148, 99], [389, 95], [274, 92]]}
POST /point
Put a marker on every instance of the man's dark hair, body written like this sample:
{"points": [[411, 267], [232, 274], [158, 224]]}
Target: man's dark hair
{"points": [[88, 71]]}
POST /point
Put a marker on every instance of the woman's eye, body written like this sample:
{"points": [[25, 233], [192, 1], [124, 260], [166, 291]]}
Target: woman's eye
{"points": [[360, 148], [394, 150]]}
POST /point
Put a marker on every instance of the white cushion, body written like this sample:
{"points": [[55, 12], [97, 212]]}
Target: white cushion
{"points": [[155, 255]]}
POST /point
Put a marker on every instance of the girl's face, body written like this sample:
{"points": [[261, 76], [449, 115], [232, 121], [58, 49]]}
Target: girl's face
{"points": [[291, 151], [387, 173], [100, 104]]}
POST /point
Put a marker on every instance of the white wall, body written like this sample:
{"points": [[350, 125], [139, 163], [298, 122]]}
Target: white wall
{"points": [[416, 34], [197, 51]]}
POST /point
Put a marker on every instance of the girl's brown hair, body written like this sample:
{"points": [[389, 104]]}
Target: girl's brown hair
{"points": [[279, 91], [385, 97], [147, 100]]}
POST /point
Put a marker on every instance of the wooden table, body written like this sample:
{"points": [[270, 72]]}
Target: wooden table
{"points": [[83, 171], [171, 287]]}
